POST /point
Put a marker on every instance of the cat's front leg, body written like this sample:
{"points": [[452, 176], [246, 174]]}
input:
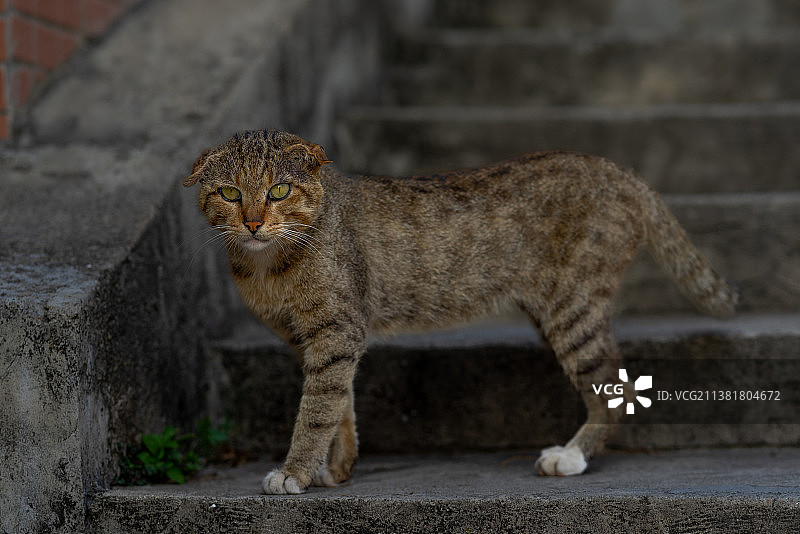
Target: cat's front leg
{"points": [[327, 390]]}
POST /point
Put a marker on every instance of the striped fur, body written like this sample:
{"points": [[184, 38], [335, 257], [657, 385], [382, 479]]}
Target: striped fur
{"points": [[549, 233]]}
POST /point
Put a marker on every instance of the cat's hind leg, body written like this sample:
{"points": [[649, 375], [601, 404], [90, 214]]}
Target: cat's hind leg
{"points": [[584, 346]]}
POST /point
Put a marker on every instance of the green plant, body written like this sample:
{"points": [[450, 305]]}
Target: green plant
{"points": [[170, 455], [210, 439]]}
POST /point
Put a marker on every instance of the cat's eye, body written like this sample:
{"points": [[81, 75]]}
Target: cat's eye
{"points": [[231, 194], [279, 191]]}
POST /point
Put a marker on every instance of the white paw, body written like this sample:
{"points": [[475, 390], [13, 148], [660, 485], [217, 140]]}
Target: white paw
{"points": [[324, 478], [277, 483], [561, 462]]}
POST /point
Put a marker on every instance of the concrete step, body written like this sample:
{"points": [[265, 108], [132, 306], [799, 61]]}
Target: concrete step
{"points": [[653, 15], [678, 148], [494, 386], [605, 68], [732, 491]]}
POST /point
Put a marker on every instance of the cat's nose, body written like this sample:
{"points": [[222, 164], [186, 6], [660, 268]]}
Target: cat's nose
{"points": [[253, 226]]}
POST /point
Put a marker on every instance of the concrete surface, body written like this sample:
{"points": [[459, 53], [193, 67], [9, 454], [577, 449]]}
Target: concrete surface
{"points": [[730, 491], [652, 15], [679, 148], [604, 68], [102, 252], [214, 68]]}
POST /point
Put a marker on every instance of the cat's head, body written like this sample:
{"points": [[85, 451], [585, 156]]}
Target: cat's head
{"points": [[260, 187]]}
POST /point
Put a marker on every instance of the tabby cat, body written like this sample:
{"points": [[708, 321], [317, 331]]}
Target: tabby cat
{"points": [[322, 258]]}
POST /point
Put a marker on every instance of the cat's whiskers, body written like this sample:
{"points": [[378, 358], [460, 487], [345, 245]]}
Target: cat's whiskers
{"points": [[282, 246], [224, 232], [290, 227], [300, 239], [300, 224], [302, 236], [219, 236], [297, 241], [287, 231], [189, 240]]}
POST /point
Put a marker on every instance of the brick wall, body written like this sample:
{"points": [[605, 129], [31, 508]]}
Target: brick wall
{"points": [[36, 36]]}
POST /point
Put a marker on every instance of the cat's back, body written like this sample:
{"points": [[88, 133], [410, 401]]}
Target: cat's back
{"points": [[523, 182]]}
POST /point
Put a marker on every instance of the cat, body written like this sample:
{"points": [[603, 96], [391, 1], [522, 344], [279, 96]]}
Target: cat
{"points": [[323, 257]]}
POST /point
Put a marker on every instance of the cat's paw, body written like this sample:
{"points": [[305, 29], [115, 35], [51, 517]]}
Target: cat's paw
{"points": [[561, 461], [279, 483], [324, 478]]}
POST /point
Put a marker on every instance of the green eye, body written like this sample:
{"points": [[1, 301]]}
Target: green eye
{"points": [[279, 191], [231, 194]]}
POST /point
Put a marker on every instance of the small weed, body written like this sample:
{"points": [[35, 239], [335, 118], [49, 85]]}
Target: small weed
{"points": [[169, 456]]}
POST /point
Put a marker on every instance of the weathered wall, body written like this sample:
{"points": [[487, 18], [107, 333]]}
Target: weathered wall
{"points": [[108, 293]]}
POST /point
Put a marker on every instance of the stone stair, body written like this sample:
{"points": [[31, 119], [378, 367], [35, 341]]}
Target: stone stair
{"points": [[493, 386], [734, 491], [705, 105], [701, 98]]}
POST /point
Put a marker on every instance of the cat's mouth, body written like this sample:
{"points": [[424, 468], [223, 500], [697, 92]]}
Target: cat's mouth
{"points": [[254, 244]]}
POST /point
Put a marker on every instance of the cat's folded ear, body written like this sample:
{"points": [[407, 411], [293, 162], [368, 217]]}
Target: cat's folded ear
{"points": [[310, 155], [319, 154], [197, 168]]}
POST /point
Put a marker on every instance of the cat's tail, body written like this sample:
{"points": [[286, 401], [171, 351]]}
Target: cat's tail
{"points": [[671, 248]]}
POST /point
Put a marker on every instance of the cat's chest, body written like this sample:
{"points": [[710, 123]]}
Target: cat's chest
{"points": [[267, 293], [271, 294]]}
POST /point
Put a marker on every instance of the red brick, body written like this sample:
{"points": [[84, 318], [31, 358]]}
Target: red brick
{"points": [[66, 13], [4, 133], [100, 16], [3, 103], [123, 3], [53, 47], [23, 39], [3, 24], [25, 6], [71, 14]]}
